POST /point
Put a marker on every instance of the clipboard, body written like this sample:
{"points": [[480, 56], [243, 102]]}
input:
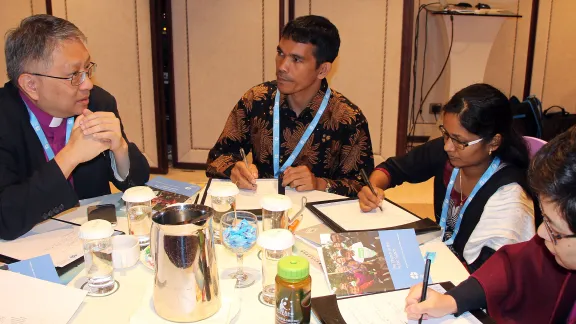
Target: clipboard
{"points": [[326, 310], [419, 224]]}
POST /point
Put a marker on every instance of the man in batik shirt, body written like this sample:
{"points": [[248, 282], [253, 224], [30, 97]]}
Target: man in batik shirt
{"points": [[336, 147]]}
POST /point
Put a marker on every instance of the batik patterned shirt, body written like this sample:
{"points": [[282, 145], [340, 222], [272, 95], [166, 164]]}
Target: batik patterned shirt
{"points": [[338, 148]]}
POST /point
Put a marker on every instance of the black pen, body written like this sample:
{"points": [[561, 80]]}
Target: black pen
{"points": [[367, 181], [425, 284]]}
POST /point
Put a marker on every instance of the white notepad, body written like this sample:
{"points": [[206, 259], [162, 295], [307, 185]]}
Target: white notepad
{"points": [[389, 308]]}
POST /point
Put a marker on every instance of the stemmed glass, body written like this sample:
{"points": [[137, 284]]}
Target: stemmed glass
{"points": [[239, 234]]}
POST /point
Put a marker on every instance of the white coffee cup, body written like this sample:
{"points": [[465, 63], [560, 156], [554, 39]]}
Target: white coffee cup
{"points": [[125, 251]]}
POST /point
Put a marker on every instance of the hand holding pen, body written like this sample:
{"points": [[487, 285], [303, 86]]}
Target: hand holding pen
{"points": [[243, 174], [369, 185], [423, 303], [425, 285]]}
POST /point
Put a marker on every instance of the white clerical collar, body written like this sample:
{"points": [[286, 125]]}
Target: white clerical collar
{"points": [[55, 122]]}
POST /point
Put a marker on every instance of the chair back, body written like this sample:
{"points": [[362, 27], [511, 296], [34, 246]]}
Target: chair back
{"points": [[534, 144]]}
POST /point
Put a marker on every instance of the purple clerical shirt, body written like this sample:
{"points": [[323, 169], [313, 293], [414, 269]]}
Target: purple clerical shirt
{"points": [[56, 136]]}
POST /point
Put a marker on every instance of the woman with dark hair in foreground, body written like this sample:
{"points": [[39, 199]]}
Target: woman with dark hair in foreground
{"points": [[481, 196], [534, 281]]}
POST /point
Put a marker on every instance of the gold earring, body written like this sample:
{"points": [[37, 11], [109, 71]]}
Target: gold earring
{"points": [[490, 152]]}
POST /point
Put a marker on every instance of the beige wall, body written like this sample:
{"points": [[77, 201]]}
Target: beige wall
{"points": [[554, 72], [555, 54], [367, 69], [11, 12], [119, 41], [221, 49]]}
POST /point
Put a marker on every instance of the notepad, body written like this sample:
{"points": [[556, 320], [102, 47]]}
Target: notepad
{"points": [[389, 308], [26, 300]]}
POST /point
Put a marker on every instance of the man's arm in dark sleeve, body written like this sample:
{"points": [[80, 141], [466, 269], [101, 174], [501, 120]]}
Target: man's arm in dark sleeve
{"points": [[226, 151], [355, 154], [27, 202]]}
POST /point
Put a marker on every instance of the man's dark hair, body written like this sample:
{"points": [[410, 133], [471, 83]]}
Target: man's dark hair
{"points": [[34, 40], [552, 174], [318, 31]]}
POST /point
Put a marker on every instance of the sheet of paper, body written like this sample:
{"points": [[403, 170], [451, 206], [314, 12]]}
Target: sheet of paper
{"points": [[26, 300], [62, 244], [248, 199], [348, 215], [388, 308]]}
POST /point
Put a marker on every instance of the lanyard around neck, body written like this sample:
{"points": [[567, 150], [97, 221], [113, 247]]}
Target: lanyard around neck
{"points": [[446, 204], [303, 139], [42, 137]]}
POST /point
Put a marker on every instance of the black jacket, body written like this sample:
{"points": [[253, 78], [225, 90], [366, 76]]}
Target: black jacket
{"points": [[427, 161], [31, 189]]}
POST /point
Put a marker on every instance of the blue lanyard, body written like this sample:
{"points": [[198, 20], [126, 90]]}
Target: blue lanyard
{"points": [[485, 177], [43, 140], [303, 139]]}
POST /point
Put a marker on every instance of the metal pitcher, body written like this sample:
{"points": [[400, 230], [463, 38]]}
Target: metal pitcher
{"points": [[186, 276]]}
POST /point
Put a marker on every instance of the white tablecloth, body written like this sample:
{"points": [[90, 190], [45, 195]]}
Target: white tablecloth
{"points": [[136, 282]]}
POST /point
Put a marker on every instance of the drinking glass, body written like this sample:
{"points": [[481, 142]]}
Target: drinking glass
{"points": [[239, 234]]}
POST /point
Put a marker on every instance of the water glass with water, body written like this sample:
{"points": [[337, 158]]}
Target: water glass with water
{"points": [[223, 199], [96, 238], [275, 209], [275, 244], [139, 212]]}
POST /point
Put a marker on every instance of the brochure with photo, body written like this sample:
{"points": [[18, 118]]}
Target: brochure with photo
{"points": [[357, 263], [170, 192]]}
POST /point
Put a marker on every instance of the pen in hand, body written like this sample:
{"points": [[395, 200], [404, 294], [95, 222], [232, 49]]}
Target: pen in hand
{"points": [[243, 155], [425, 285], [367, 181]]}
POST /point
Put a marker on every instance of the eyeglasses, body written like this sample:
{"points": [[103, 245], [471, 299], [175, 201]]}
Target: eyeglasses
{"points": [[77, 78], [457, 143], [553, 236]]}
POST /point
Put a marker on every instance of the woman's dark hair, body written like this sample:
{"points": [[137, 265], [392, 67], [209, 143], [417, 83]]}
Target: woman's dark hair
{"points": [[485, 111], [318, 31], [552, 174]]}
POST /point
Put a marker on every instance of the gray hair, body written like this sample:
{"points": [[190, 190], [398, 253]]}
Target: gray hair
{"points": [[35, 40]]}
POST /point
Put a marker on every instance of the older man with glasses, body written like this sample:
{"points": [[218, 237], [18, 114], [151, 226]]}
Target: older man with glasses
{"points": [[61, 138]]}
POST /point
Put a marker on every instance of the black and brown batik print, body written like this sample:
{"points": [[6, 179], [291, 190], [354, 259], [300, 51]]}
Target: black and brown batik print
{"points": [[338, 148]]}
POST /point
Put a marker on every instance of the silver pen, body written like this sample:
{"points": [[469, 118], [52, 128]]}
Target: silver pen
{"points": [[243, 155]]}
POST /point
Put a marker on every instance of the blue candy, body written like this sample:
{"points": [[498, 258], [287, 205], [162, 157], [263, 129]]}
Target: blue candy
{"points": [[240, 237]]}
